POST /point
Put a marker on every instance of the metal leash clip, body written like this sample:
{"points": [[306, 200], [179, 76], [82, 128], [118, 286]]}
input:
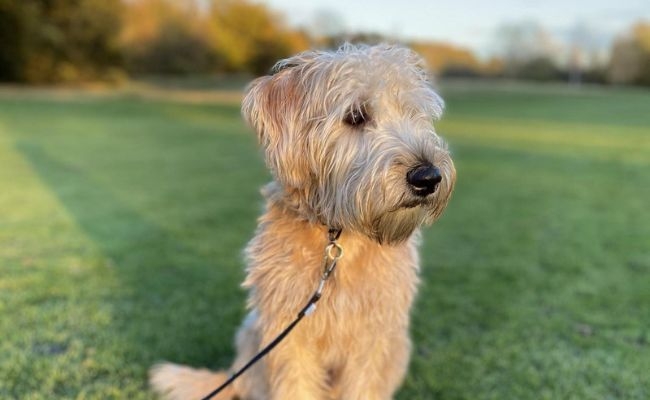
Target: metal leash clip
{"points": [[333, 253]]}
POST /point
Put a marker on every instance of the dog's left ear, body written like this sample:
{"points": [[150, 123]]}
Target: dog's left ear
{"points": [[434, 103], [437, 104]]}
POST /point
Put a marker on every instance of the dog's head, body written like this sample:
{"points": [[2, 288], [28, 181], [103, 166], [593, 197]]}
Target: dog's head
{"points": [[349, 137]]}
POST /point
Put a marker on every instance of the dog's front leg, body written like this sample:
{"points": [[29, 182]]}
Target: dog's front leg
{"points": [[377, 367], [294, 372]]}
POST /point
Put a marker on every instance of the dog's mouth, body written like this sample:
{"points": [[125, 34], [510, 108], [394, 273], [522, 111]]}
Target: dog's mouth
{"points": [[423, 193], [413, 203]]}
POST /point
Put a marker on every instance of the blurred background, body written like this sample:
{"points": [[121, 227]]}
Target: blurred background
{"points": [[129, 185], [79, 41]]}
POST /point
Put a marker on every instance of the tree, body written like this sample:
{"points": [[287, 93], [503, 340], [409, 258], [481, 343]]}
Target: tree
{"points": [[249, 37], [585, 55], [539, 69], [630, 59], [166, 37], [521, 43], [13, 46], [65, 40], [443, 56]]}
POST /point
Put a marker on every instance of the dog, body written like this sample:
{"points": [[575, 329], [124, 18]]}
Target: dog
{"points": [[348, 136]]}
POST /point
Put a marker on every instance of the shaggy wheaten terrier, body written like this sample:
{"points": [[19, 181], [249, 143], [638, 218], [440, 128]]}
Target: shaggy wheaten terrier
{"points": [[349, 138]]}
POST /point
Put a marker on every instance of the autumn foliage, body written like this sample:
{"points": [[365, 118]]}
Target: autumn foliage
{"points": [[165, 36], [48, 41], [630, 61], [52, 41], [45, 41]]}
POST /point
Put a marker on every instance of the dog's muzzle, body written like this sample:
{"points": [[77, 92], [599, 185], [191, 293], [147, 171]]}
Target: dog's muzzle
{"points": [[424, 179]]}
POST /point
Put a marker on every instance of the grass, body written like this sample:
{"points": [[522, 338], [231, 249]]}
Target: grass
{"points": [[122, 220]]}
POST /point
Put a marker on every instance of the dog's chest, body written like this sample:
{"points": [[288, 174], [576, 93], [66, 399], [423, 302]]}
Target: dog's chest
{"points": [[369, 292]]}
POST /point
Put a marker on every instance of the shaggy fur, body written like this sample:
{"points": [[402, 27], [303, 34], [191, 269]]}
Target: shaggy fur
{"points": [[340, 132]]}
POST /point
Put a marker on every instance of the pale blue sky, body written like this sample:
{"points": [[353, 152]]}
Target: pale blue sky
{"points": [[471, 23]]}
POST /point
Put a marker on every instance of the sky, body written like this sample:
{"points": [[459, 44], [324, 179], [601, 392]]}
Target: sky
{"points": [[471, 23]]}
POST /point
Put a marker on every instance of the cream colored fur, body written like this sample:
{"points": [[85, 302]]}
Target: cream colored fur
{"points": [[328, 173]]}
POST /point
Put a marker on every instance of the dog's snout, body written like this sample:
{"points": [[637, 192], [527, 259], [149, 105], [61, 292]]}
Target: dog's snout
{"points": [[424, 179]]}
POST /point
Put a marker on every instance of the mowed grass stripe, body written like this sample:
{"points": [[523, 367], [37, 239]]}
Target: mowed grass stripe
{"points": [[49, 286], [616, 107], [626, 144], [113, 165]]}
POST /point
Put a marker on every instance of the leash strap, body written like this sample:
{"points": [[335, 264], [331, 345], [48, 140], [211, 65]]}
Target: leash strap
{"points": [[333, 252]]}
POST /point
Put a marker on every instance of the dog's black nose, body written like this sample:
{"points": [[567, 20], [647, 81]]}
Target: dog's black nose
{"points": [[424, 179]]}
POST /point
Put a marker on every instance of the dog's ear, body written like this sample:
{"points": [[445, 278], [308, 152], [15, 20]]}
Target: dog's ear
{"points": [[270, 102], [436, 104], [271, 106], [256, 106], [427, 94]]}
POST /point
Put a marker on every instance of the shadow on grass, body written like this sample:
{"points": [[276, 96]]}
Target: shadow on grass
{"points": [[170, 300]]}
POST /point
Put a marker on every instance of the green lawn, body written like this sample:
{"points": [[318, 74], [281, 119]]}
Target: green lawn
{"points": [[122, 220]]}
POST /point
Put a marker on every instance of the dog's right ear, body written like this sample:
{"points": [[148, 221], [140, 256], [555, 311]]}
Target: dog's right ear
{"points": [[269, 99], [272, 107], [269, 105], [254, 105]]}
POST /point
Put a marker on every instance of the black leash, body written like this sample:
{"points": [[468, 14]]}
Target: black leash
{"points": [[333, 253]]}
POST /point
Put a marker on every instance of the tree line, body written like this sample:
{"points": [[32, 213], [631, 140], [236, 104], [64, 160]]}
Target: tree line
{"points": [[52, 41]]}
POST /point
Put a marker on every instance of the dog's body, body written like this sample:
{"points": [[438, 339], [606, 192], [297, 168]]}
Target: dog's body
{"points": [[348, 136]]}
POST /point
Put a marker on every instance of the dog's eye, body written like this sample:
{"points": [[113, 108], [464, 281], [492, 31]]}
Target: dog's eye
{"points": [[356, 116]]}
